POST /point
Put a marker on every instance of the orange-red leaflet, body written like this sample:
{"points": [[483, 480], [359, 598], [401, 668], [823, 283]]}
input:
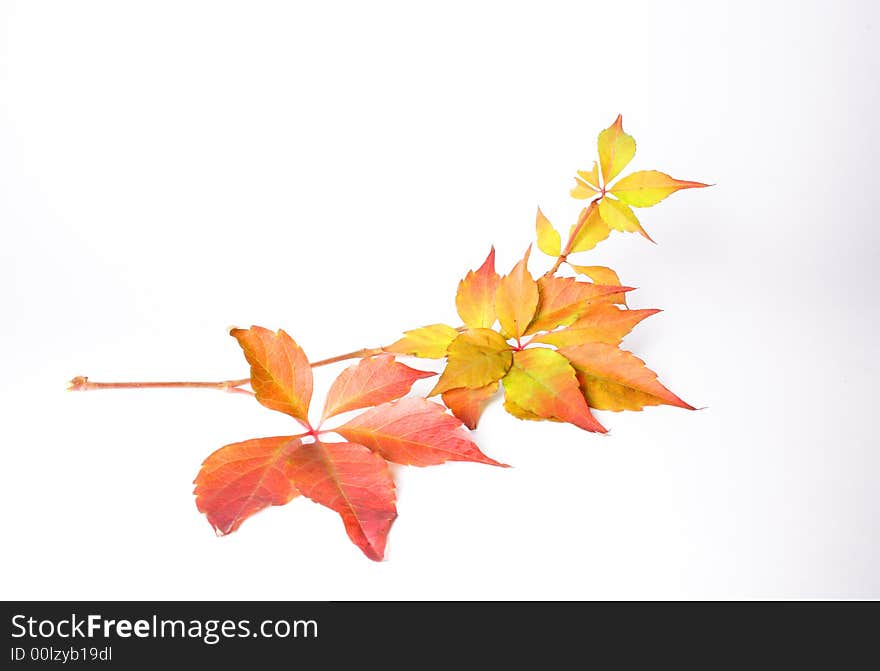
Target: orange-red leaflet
{"points": [[602, 275], [413, 431], [468, 404], [600, 322], [614, 379], [564, 299], [280, 372], [372, 381], [353, 481], [241, 479]]}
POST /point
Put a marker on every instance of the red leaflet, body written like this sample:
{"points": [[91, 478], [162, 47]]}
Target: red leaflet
{"points": [[241, 479], [413, 431], [353, 481], [280, 372], [372, 381]]}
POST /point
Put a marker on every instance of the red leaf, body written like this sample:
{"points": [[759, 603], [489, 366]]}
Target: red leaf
{"points": [[280, 372], [468, 404], [372, 381], [241, 479], [414, 431], [353, 481]]}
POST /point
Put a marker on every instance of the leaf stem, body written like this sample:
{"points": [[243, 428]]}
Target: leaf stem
{"points": [[563, 257]]}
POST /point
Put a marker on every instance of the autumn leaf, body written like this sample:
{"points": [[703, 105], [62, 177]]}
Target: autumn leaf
{"points": [[353, 481], [475, 299], [521, 413], [241, 479], [280, 372], [648, 187], [427, 342], [516, 299], [614, 379], [563, 299], [549, 240], [620, 217], [468, 404], [476, 358], [542, 382], [639, 189], [373, 381], [593, 230], [413, 431], [602, 275], [600, 322], [587, 184], [616, 149]]}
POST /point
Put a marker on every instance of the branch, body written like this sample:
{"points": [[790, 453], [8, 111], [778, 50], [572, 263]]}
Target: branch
{"points": [[82, 383]]}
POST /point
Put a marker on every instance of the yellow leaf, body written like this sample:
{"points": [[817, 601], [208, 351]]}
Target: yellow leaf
{"points": [[428, 342], [590, 177], [586, 184], [594, 231], [516, 299], [602, 275], [620, 217], [522, 413], [549, 240], [476, 358], [616, 150], [475, 299], [614, 379], [648, 187]]}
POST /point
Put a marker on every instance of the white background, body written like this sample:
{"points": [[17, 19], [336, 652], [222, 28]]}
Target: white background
{"points": [[169, 169]]}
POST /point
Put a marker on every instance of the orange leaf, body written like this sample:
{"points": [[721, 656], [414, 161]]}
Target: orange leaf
{"points": [[353, 481], [280, 372], [373, 381], [616, 150], [468, 404], [475, 299], [648, 187], [541, 382], [602, 322], [602, 275], [413, 431], [241, 479], [475, 358], [564, 299], [516, 299], [614, 379]]}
